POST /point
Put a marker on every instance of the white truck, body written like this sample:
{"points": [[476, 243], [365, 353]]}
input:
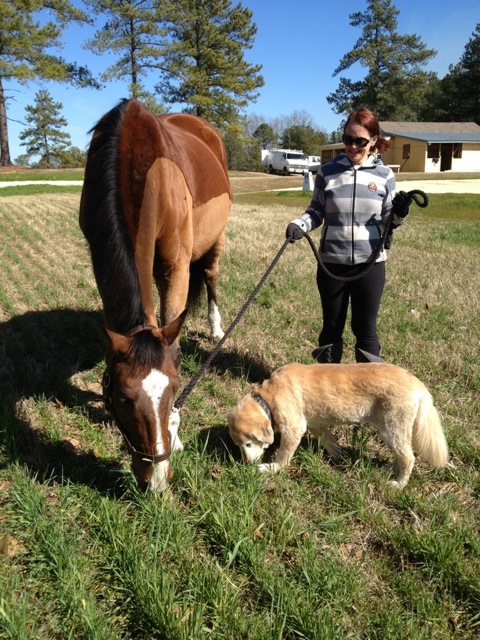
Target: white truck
{"points": [[284, 161]]}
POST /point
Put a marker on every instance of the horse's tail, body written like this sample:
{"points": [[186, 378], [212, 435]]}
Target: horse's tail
{"points": [[196, 284], [428, 437]]}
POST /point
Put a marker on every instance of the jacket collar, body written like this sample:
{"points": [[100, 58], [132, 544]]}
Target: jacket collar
{"points": [[371, 161]]}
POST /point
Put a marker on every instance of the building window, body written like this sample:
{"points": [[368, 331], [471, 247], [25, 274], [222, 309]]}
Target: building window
{"points": [[457, 150], [406, 152], [433, 150]]}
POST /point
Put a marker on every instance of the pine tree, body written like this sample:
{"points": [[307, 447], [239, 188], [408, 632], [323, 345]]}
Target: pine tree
{"points": [[203, 59], [461, 86], [133, 33], [265, 135], [25, 50], [395, 84], [304, 137], [45, 137]]}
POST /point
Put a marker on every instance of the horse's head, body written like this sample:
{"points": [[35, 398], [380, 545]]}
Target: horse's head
{"points": [[140, 384]]}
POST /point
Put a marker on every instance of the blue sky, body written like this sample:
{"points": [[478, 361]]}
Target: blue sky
{"points": [[299, 43]]}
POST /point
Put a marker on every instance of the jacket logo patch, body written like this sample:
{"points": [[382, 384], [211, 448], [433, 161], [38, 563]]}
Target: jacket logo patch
{"points": [[372, 186]]}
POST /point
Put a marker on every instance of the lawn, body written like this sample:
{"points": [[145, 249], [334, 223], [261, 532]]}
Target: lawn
{"points": [[319, 551]]}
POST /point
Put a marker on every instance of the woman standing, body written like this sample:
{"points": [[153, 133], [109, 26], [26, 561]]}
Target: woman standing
{"points": [[353, 197]]}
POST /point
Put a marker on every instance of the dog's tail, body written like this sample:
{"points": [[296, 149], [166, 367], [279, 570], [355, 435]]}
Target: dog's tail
{"points": [[428, 438]]}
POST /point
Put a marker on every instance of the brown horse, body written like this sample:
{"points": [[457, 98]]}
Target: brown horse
{"points": [[154, 206]]}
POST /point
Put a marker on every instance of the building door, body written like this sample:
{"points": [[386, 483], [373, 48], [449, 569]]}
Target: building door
{"points": [[446, 152]]}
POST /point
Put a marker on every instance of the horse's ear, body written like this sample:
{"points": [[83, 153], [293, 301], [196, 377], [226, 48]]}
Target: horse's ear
{"points": [[119, 343], [171, 330]]}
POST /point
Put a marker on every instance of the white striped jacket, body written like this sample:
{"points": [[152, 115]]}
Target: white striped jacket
{"points": [[353, 204]]}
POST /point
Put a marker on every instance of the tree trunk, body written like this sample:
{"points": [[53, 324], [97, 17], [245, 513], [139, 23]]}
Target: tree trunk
{"points": [[4, 148], [5, 160]]}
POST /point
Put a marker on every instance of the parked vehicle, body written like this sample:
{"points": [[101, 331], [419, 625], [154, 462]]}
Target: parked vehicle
{"points": [[284, 161], [314, 163]]}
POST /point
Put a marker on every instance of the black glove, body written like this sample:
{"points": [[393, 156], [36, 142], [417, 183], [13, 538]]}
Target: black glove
{"points": [[401, 204], [294, 232]]}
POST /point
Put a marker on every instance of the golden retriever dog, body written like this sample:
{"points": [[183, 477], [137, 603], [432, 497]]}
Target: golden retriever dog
{"points": [[314, 397]]}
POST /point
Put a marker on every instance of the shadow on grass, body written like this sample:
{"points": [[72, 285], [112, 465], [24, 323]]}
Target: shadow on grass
{"points": [[236, 364], [40, 351]]}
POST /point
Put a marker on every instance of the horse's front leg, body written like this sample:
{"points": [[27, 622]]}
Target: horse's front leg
{"points": [[172, 285]]}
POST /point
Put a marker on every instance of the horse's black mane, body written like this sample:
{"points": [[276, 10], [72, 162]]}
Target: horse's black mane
{"points": [[103, 225]]}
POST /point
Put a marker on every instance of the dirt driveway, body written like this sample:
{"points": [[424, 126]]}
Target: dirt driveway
{"points": [[441, 186], [279, 183]]}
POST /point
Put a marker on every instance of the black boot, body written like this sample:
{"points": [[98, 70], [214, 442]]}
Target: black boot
{"points": [[364, 356], [329, 353]]}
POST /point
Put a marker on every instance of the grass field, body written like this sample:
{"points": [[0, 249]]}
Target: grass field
{"points": [[320, 551]]}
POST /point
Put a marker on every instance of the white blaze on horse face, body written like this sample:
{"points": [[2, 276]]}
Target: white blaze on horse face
{"points": [[214, 319], [154, 386]]}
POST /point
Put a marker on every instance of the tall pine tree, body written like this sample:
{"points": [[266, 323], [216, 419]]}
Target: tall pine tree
{"points": [[461, 86], [395, 84], [45, 138], [204, 67], [132, 32], [25, 50]]}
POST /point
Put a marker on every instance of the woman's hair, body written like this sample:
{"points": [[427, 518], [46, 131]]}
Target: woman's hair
{"points": [[369, 121]]}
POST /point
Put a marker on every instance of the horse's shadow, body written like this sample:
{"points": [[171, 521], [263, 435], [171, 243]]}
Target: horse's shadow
{"points": [[41, 354]]}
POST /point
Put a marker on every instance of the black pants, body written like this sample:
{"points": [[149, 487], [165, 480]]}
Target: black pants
{"points": [[363, 294]]}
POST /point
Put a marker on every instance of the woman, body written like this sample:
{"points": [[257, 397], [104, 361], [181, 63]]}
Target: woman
{"points": [[353, 198]]}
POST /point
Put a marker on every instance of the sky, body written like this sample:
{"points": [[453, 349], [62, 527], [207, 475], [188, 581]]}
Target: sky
{"points": [[299, 44]]}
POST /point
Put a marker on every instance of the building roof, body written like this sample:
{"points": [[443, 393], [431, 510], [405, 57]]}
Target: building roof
{"points": [[439, 132]]}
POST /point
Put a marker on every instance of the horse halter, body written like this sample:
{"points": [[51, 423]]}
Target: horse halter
{"points": [[107, 394]]}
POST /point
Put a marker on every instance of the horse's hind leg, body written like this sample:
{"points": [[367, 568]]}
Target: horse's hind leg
{"points": [[211, 273]]}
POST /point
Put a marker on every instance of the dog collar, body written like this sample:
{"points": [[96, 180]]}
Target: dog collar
{"points": [[264, 406]]}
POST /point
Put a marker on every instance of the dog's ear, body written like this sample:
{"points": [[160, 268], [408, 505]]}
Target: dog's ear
{"points": [[267, 434]]}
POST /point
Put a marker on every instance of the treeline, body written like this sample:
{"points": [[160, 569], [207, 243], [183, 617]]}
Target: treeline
{"points": [[178, 52]]}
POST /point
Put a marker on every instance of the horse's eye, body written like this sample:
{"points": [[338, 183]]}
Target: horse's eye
{"points": [[125, 400], [247, 444]]}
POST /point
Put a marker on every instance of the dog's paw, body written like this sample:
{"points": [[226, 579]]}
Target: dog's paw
{"points": [[270, 467], [395, 484]]}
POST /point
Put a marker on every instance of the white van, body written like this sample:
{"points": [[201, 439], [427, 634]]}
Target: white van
{"points": [[284, 161], [314, 163]]}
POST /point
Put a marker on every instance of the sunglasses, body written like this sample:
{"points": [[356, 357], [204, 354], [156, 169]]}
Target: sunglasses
{"points": [[359, 142]]}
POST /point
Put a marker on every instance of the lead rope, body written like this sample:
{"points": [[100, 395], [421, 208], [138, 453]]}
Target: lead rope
{"points": [[188, 389], [421, 201]]}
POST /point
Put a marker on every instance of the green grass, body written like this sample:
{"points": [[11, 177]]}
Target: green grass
{"points": [[319, 551], [12, 175], [39, 189]]}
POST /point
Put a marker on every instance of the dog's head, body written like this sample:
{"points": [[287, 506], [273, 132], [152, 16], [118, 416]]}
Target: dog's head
{"points": [[250, 429]]}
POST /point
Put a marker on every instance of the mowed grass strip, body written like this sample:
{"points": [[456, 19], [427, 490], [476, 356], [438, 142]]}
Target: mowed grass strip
{"points": [[318, 551]]}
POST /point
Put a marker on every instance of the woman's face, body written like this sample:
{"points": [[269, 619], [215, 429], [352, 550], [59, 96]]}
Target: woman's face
{"points": [[355, 152]]}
